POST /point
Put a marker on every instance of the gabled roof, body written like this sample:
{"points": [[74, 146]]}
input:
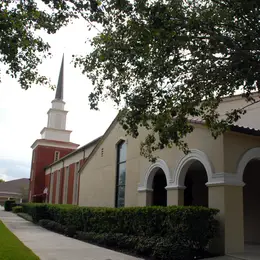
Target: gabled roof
{"points": [[102, 138], [75, 151], [244, 125], [14, 186]]}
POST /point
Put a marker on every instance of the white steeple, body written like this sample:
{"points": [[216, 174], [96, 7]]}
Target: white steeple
{"points": [[56, 126]]}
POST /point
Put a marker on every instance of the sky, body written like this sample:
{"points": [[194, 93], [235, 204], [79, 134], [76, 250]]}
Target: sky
{"points": [[23, 113]]}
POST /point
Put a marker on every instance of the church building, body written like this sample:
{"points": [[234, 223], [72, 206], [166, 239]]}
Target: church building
{"points": [[220, 173]]}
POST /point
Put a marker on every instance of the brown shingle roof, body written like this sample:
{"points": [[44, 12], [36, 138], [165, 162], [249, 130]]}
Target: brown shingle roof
{"points": [[15, 186]]}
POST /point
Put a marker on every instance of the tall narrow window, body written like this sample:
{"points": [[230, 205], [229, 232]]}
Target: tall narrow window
{"points": [[56, 156], [66, 183], [51, 187], [76, 184], [120, 175], [57, 199]]}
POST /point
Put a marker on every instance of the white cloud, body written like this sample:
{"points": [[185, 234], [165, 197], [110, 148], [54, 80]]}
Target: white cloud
{"points": [[4, 176]]}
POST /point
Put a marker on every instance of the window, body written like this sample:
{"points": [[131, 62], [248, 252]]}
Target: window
{"points": [[51, 188], [66, 183], [56, 156], [57, 199], [120, 175]]}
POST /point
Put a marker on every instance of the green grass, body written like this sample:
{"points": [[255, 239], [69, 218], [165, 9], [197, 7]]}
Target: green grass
{"points": [[11, 248]]}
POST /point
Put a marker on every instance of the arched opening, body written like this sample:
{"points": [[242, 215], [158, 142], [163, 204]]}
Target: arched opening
{"points": [[159, 197], [251, 194], [196, 192]]}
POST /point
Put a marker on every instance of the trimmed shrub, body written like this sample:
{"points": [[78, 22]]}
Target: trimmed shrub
{"points": [[17, 209], [37, 211], [25, 216], [9, 204], [163, 232], [69, 231]]}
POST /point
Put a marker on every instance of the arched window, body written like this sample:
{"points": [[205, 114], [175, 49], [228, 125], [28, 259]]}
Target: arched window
{"points": [[120, 174]]}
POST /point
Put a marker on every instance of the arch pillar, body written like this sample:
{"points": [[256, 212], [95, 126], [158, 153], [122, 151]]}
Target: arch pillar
{"points": [[226, 194], [175, 195], [145, 197], [145, 189]]}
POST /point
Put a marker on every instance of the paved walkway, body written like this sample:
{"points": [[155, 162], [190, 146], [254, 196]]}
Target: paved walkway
{"points": [[52, 246]]}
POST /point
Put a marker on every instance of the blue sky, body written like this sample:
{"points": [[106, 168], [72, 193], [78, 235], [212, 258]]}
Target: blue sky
{"points": [[23, 114]]}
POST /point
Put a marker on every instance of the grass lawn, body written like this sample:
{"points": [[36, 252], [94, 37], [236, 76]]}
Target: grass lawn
{"points": [[11, 248]]}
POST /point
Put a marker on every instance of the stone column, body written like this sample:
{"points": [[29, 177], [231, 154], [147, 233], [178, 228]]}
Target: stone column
{"points": [[145, 197], [228, 198], [175, 195]]}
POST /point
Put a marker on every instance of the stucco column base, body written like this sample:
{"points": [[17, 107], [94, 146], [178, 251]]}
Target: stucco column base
{"points": [[145, 197], [175, 196], [229, 200]]}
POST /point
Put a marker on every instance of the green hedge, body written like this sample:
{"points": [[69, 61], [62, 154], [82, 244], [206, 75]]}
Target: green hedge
{"points": [[9, 204], [182, 231], [17, 209]]}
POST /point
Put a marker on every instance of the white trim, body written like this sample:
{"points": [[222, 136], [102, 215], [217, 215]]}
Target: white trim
{"points": [[57, 110], [175, 187], [185, 163], [249, 155], [56, 130], [225, 179], [10, 192], [142, 189], [52, 143], [150, 173], [58, 101]]}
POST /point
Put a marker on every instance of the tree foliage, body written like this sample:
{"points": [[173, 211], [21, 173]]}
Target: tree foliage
{"points": [[1, 180], [161, 61], [22, 27], [166, 61]]}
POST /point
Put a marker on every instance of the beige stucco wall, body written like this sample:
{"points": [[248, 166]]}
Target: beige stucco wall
{"points": [[235, 145], [97, 184]]}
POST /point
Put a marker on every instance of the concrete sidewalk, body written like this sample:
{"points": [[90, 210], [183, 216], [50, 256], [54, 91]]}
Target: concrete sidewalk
{"points": [[52, 246]]}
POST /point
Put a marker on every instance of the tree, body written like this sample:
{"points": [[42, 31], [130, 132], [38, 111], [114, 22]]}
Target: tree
{"points": [[22, 48], [163, 62], [1, 180]]}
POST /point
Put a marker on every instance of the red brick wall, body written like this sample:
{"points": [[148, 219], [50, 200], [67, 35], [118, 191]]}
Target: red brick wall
{"points": [[62, 175], [44, 156]]}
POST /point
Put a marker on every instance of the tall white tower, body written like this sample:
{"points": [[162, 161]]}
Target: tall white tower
{"points": [[56, 125]]}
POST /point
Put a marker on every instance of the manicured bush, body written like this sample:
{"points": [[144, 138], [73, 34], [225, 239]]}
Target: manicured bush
{"points": [[69, 231], [37, 211], [162, 232], [25, 216], [9, 204], [17, 209]]}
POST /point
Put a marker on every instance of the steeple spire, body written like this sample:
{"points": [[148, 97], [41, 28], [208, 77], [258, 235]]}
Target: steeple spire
{"points": [[59, 90]]}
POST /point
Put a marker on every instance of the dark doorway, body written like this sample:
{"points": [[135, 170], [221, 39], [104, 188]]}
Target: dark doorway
{"points": [[251, 194], [159, 191], [196, 192]]}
